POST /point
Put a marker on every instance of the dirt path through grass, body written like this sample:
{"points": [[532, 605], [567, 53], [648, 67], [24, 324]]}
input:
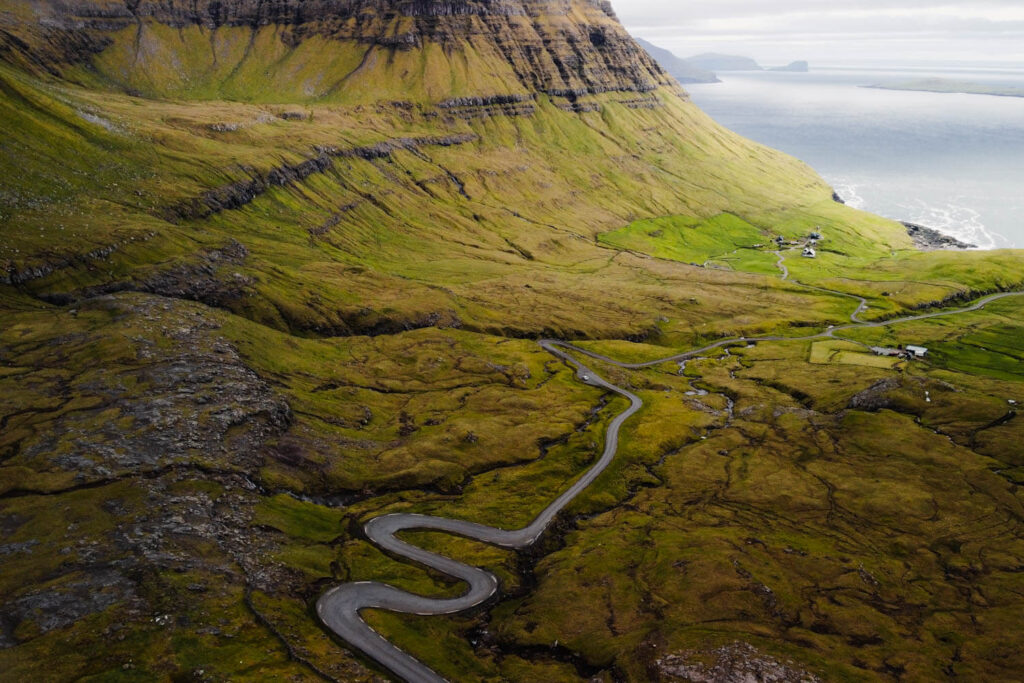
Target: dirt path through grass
{"points": [[855, 316]]}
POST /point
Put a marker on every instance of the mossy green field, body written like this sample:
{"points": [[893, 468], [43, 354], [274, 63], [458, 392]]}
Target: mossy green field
{"points": [[244, 315]]}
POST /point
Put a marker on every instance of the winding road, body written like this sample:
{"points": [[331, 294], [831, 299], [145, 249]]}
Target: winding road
{"points": [[784, 269], [829, 333], [339, 608]]}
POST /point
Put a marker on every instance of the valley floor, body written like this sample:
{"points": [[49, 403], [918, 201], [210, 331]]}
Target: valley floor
{"points": [[233, 333], [340, 607]]}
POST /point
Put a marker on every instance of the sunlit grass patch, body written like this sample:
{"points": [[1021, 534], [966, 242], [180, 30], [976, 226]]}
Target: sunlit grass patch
{"points": [[848, 353], [691, 240]]}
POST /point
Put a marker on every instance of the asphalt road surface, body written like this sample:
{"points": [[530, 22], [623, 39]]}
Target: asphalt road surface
{"points": [[340, 607], [831, 332]]}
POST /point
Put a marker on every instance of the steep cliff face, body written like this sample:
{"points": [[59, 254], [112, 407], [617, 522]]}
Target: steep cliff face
{"points": [[214, 13], [314, 49]]}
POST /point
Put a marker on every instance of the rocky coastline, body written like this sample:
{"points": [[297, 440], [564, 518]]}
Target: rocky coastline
{"points": [[925, 238], [930, 239]]}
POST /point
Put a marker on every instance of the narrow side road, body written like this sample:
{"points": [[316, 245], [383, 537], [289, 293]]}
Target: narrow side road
{"points": [[831, 332], [784, 269], [781, 265]]}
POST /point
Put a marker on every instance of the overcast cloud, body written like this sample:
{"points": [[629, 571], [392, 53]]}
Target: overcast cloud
{"points": [[835, 33]]}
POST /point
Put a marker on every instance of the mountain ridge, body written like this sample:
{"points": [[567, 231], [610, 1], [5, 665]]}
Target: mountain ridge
{"points": [[714, 61], [560, 47], [262, 284], [679, 68]]}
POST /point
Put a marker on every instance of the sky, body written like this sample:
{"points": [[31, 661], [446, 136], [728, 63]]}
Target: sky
{"points": [[830, 33]]}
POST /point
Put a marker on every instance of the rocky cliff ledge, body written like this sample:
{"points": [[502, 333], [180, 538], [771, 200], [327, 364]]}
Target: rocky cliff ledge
{"points": [[214, 13], [563, 47]]}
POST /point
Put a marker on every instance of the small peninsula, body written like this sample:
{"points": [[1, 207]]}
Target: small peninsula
{"points": [[943, 85], [680, 69], [718, 62], [799, 67]]}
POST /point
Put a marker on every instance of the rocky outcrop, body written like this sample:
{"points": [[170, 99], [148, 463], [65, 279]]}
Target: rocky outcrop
{"points": [[200, 406], [736, 663], [550, 45], [43, 265], [53, 608], [492, 101], [237, 194], [642, 103], [876, 397], [115, 14], [43, 47], [332, 222], [198, 279], [496, 105], [930, 239], [580, 107]]}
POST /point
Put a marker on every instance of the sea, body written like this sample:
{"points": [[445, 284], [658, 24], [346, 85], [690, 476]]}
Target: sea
{"points": [[953, 162]]}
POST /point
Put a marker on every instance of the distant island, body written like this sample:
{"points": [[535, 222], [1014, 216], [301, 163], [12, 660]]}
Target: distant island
{"points": [[942, 85], [713, 61], [800, 67], [701, 68], [680, 69]]}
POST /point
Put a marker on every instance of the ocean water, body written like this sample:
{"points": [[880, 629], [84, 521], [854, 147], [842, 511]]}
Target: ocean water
{"points": [[949, 161]]}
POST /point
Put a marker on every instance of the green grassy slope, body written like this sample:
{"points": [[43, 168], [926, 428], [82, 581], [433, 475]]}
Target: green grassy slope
{"points": [[433, 230], [274, 297]]}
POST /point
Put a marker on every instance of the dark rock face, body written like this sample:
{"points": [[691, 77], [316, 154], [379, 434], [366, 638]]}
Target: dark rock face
{"points": [[43, 47], [201, 406], [241, 192], [736, 663], [876, 397], [495, 105], [56, 608], [151, 479], [548, 43], [930, 239], [108, 14], [494, 100], [198, 279], [11, 274]]}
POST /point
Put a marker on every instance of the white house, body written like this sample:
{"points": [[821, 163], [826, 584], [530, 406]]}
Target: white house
{"points": [[809, 252], [917, 351]]}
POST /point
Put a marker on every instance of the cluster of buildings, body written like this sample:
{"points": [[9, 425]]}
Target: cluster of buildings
{"points": [[809, 244], [906, 352], [812, 242]]}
